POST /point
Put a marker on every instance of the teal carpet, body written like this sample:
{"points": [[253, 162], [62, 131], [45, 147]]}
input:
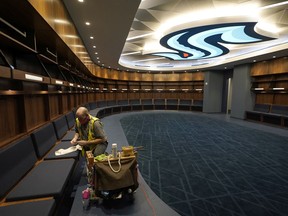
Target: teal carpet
{"points": [[205, 167]]}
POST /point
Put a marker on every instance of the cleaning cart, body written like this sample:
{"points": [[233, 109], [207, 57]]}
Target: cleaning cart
{"points": [[111, 176]]}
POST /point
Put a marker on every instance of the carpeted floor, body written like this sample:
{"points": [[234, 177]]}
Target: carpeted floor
{"points": [[204, 167]]}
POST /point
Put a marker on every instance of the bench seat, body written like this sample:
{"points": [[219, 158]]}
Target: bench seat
{"points": [[33, 208], [47, 179], [68, 136], [62, 145], [269, 113]]}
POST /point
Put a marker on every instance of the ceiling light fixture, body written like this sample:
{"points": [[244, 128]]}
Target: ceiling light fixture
{"points": [[139, 36], [131, 53], [273, 5], [151, 59], [87, 23], [61, 21]]}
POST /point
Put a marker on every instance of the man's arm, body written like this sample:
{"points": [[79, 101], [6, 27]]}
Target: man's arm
{"points": [[74, 141]]}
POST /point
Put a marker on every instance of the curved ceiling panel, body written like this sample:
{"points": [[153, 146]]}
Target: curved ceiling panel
{"points": [[180, 35]]}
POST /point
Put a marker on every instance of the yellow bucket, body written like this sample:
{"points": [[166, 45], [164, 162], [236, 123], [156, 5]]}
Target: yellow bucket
{"points": [[127, 151]]}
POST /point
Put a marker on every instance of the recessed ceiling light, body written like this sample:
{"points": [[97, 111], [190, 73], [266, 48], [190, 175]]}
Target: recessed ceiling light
{"points": [[96, 53], [80, 0], [87, 23], [94, 46], [91, 37]]}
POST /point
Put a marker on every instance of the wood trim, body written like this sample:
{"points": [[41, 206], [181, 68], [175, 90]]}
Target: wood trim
{"points": [[20, 75], [5, 72]]}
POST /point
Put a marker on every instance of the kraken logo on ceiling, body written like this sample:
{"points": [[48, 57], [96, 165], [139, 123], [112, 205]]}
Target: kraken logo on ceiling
{"points": [[208, 41]]}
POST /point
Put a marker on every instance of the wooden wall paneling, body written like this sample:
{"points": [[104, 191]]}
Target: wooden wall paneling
{"points": [[159, 86], [197, 96], [54, 106], [134, 86], [172, 86], [198, 76], [122, 85], [91, 96], [100, 96], [122, 95], [279, 65], [260, 68], [173, 77], [146, 95], [185, 95], [172, 95], [71, 100], [285, 64], [95, 96], [264, 98], [281, 99], [159, 94], [133, 95], [114, 74], [160, 77], [65, 103], [281, 84], [135, 76], [77, 99], [36, 112], [146, 86], [185, 77], [5, 72], [147, 77], [12, 124], [105, 73], [123, 75], [60, 103], [51, 9], [96, 71], [186, 85], [110, 96], [84, 97]]}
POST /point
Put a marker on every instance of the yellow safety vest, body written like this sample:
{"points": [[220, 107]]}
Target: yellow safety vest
{"points": [[90, 134]]}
